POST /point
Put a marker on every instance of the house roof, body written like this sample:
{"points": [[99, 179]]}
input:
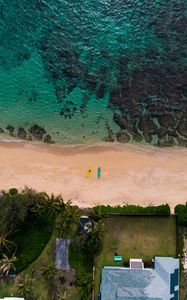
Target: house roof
{"points": [[134, 284], [168, 263]]}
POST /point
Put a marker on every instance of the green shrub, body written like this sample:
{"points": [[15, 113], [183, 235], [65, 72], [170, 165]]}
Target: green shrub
{"points": [[180, 245], [81, 260], [13, 210], [31, 240], [136, 210], [21, 214], [181, 211], [13, 191]]}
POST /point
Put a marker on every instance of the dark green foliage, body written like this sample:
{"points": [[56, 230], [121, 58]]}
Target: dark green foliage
{"points": [[181, 211], [49, 206], [136, 210], [41, 204], [31, 240], [93, 241], [28, 217], [83, 262], [25, 288], [48, 270], [180, 246], [6, 243], [13, 210], [96, 214], [67, 219], [13, 191], [85, 285]]}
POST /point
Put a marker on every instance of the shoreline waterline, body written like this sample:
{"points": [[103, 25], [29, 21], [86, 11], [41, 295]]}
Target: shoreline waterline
{"points": [[89, 144]]}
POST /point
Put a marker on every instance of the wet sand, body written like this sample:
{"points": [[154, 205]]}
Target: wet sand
{"points": [[130, 173]]}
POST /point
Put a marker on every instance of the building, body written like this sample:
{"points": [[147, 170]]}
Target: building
{"points": [[139, 283]]}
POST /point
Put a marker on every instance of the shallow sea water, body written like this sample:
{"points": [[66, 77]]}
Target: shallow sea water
{"points": [[62, 61]]}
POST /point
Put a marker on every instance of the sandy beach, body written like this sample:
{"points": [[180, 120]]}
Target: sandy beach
{"points": [[130, 173]]}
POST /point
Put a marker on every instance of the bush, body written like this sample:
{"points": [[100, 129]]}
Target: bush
{"points": [[80, 260], [13, 210], [31, 240], [181, 211], [13, 191], [180, 244], [136, 210]]}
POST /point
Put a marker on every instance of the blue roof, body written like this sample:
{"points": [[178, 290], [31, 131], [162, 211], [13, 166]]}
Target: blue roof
{"points": [[140, 284]]}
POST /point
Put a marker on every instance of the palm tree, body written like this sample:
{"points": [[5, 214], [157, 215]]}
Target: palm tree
{"points": [[49, 205], [58, 202], [63, 229], [25, 286], [67, 219], [93, 240], [85, 287], [5, 243], [62, 295], [96, 214], [48, 270], [71, 213], [6, 264]]}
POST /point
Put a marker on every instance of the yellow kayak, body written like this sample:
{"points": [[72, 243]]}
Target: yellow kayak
{"points": [[89, 172]]}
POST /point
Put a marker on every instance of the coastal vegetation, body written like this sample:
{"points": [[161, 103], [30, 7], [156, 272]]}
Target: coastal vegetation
{"points": [[31, 221], [135, 210], [83, 263], [183, 275], [181, 212], [26, 224], [27, 220]]}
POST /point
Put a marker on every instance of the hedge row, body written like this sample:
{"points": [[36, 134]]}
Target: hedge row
{"points": [[136, 210], [181, 211]]}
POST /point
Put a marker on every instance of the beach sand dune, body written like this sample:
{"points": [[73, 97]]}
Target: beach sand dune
{"points": [[130, 173]]}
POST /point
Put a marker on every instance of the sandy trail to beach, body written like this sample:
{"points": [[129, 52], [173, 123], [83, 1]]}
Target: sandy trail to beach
{"points": [[130, 174]]}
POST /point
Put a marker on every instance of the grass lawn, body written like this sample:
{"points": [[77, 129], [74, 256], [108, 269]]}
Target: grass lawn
{"points": [[135, 237], [39, 283], [33, 241], [41, 287], [5, 289], [78, 260]]}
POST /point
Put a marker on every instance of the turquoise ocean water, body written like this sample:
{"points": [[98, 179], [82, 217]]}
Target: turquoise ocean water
{"points": [[92, 70]]}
